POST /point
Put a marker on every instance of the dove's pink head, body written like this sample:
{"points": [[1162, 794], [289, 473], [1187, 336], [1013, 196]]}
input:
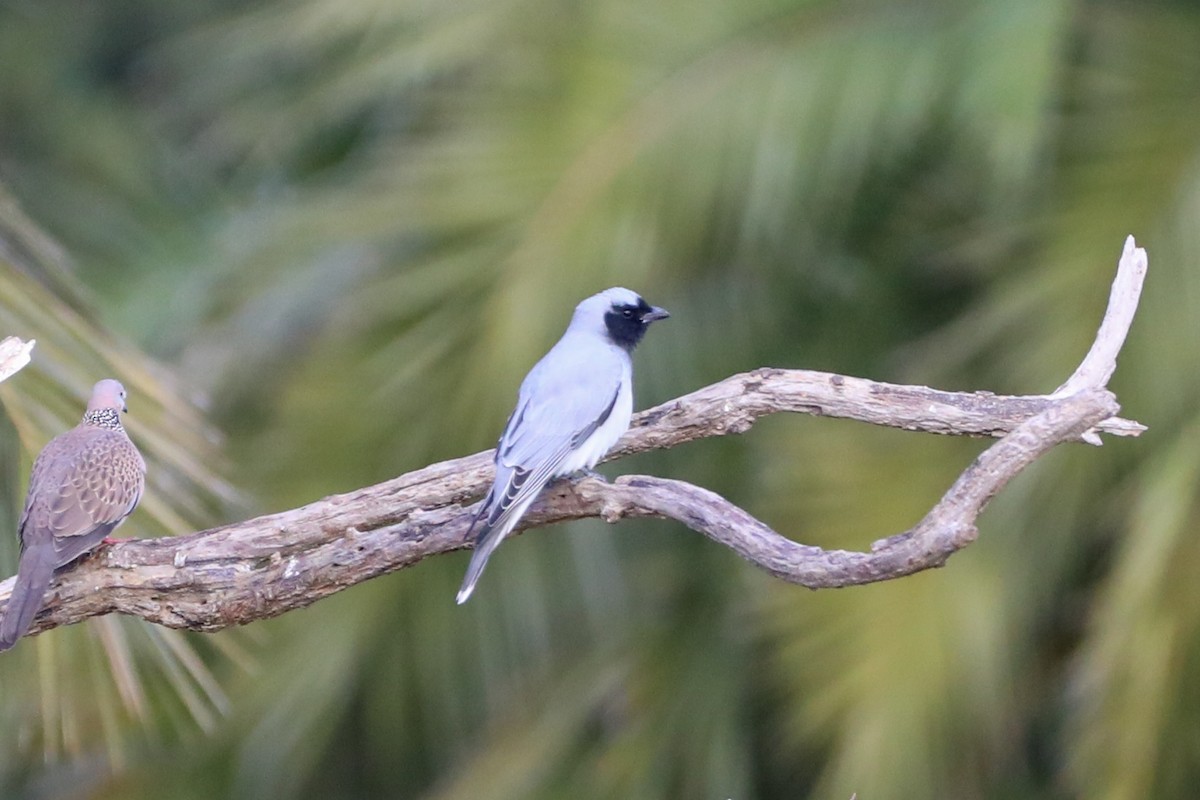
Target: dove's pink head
{"points": [[108, 393]]}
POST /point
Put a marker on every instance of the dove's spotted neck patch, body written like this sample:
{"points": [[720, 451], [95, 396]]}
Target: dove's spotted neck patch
{"points": [[108, 418]]}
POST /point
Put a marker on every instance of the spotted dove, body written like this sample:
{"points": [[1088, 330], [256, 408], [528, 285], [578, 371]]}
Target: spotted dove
{"points": [[83, 485]]}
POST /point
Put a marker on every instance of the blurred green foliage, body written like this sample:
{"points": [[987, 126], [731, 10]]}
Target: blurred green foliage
{"points": [[345, 228]]}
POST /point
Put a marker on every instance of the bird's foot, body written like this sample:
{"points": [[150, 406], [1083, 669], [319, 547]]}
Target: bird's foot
{"points": [[116, 539], [587, 472]]}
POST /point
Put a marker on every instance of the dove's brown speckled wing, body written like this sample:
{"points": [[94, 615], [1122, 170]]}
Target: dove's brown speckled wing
{"points": [[82, 486]]}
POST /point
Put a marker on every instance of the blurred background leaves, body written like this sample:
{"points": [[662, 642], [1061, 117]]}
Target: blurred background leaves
{"points": [[323, 240]]}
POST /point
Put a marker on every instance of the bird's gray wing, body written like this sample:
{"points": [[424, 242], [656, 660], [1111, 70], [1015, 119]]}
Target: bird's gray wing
{"points": [[564, 399], [519, 482]]}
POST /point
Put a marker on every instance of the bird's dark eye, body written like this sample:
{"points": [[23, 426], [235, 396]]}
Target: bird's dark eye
{"points": [[627, 313]]}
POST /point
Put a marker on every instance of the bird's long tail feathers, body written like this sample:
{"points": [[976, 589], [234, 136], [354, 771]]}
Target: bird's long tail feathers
{"points": [[489, 539], [33, 576]]}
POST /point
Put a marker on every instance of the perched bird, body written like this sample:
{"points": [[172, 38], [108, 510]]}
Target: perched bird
{"points": [[573, 406], [83, 485]]}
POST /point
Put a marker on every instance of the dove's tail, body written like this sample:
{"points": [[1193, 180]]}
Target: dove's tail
{"points": [[33, 576]]}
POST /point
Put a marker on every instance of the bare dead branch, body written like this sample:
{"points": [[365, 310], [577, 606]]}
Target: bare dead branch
{"points": [[14, 354], [265, 566], [1101, 361]]}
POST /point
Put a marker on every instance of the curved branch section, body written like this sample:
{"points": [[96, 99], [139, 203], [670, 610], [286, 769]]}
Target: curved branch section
{"points": [[265, 566], [948, 527]]}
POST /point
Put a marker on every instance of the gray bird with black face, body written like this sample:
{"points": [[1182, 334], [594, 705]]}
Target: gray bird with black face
{"points": [[84, 484], [573, 406]]}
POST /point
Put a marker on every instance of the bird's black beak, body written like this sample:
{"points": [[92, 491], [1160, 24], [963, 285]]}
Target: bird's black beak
{"points": [[655, 313]]}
